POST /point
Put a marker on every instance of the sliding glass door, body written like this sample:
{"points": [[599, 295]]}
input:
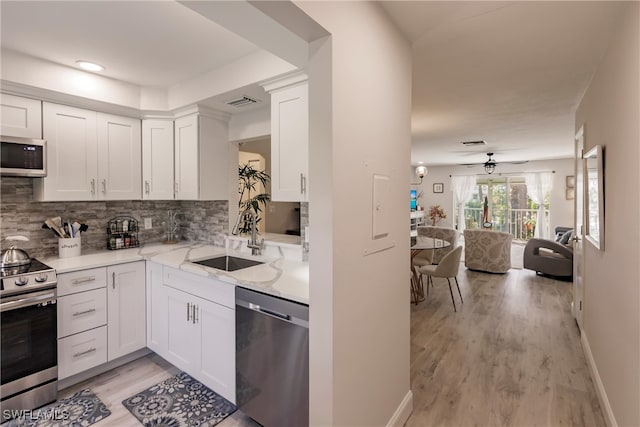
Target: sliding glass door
{"points": [[502, 204]]}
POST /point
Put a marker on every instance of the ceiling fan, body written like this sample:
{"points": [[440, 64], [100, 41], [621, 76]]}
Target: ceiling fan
{"points": [[490, 165]]}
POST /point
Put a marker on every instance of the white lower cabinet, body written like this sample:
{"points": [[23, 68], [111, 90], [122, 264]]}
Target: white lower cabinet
{"points": [[126, 309], [192, 332], [82, 351], [183, 334], [101, 316], [82, 311]]}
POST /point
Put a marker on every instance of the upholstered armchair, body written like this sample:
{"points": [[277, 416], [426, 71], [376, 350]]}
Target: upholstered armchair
{"points": [[548, 257], [447, 234], [487, 250]]}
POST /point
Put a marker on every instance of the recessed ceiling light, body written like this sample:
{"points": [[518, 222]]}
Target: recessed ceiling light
{"points": [[421, 163], [89, 66]]}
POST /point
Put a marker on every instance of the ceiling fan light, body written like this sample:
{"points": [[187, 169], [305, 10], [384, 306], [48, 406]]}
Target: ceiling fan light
{"points": [[489, 168]]}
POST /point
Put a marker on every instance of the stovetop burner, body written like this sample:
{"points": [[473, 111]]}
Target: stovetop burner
{"points": [[26, 278], [32, 267]]}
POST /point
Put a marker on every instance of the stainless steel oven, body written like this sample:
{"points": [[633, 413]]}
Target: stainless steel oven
{"points": [[28, 349]]}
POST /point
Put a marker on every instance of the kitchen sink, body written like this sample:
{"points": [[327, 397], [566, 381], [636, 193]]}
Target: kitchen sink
{"points": [[228, 263]]}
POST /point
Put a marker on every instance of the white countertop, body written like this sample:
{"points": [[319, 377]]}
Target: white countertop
{"points": [[277, 276]]}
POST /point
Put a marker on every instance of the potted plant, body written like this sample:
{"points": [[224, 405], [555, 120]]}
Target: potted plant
{"points": [[436, 213], [248, 178], [530, 223]]}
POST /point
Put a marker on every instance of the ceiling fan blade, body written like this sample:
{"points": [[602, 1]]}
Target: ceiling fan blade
{"points": [[516, 162]]}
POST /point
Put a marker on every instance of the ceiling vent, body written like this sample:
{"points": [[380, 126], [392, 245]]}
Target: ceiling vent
{"points": [[473, 143], [242, 102]]}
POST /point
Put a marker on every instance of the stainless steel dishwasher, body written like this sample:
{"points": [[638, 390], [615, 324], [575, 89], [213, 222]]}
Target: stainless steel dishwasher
{"points": [[272, 359]]}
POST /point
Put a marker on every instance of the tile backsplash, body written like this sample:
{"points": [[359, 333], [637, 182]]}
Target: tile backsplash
{"points": [[205, 221]]}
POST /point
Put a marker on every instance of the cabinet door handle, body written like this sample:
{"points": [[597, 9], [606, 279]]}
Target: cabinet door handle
{"points": [[83, 280], [80, 313], [82, 353], [195, 314], [146, 187], [188, 311], [104, 186], [176, 188], [113, 280], [93, 186], [301, 183]]}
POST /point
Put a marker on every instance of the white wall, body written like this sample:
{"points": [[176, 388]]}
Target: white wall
{"points": [[561, 213], [250, 124], [359, 325], [611, 317]]}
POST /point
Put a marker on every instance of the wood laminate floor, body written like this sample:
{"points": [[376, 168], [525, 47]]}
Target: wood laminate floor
{"points": [[510, 356]]}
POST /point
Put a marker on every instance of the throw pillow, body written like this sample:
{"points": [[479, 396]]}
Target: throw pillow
{"points": [[566, 237]]}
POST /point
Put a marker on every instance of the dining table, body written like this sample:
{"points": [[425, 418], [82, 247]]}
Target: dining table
{"points": [[423, 244]]}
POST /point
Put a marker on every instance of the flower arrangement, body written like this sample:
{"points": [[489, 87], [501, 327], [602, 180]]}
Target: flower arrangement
{"points": [[436, 213]]}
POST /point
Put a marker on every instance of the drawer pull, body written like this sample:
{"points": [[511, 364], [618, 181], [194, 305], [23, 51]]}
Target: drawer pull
{"points": [[82, 353], [80, 313], [83, 280]]}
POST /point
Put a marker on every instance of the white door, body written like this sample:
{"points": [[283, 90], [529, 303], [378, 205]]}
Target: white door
{"points": [[183, 337], [218, 352], [186, 158], [126, 318], [72, 158], [120, 158], [289, 144], [20, 116], [157, 160], [578, 230]]}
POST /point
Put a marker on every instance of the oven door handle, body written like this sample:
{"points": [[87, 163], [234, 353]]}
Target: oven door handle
{"points": [[32, 299]]}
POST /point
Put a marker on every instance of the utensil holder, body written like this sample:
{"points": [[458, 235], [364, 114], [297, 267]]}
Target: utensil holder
{"points": [[69, 247]]}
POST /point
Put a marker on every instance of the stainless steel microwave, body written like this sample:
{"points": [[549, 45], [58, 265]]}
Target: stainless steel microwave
{"points": [[23, 157]]}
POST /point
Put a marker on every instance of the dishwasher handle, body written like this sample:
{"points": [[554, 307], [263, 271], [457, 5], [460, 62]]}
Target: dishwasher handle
{"points": [[256, 307], [272, 313]]}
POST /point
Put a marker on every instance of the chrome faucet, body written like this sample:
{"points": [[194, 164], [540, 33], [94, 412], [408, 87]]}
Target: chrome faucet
{"points": [[253, 244]]}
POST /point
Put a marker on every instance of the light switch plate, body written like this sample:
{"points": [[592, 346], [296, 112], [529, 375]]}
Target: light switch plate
{"points": [[148, 223]]}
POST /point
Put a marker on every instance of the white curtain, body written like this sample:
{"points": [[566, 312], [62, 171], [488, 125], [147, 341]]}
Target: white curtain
{"points": [[538, 185], [463, 187]]}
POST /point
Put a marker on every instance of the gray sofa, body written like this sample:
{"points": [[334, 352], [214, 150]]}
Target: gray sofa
{"points": [[549, 257]]}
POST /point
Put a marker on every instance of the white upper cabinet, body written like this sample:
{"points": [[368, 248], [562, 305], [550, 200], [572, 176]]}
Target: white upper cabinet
{"points": [[72, 154], [157, 160], [203, 158], [186, 161], [20, 117], [91, 156], [289, 138], [119, 158]]}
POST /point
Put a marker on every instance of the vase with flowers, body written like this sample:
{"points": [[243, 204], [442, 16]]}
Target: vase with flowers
{"points": [[436, 213]]}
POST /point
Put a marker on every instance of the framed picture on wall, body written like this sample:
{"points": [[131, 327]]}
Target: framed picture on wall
{"points": [[570, 193], [438, 187], [571, 181]]}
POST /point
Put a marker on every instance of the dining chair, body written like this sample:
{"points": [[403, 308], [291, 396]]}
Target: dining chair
{"points": [[424, 258], [447, 268]]}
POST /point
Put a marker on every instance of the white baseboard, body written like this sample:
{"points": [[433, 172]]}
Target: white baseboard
{"points": [[402, 413], [609, 417]]}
